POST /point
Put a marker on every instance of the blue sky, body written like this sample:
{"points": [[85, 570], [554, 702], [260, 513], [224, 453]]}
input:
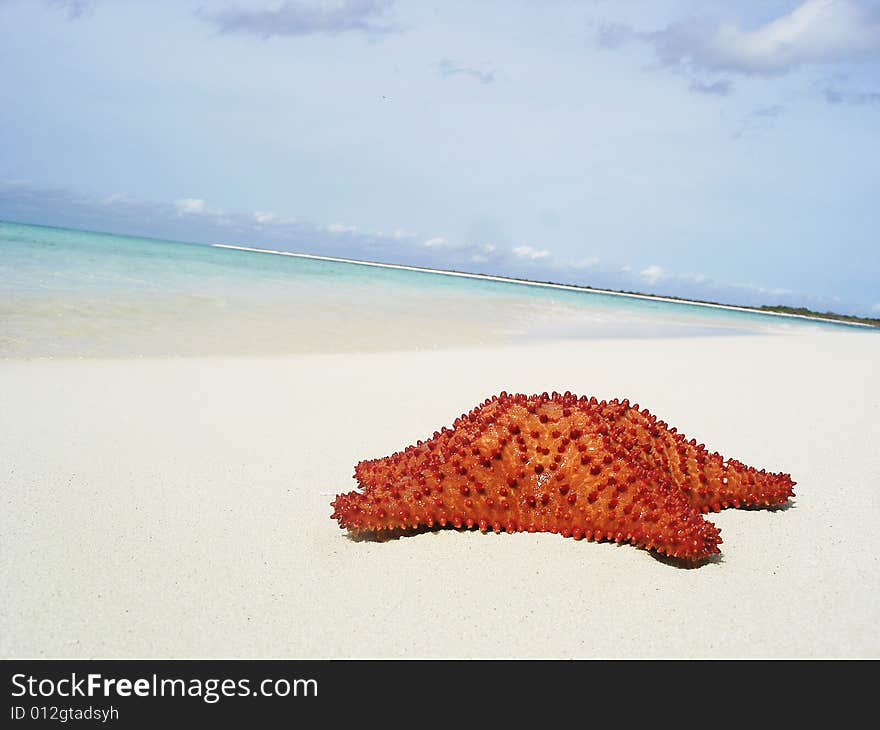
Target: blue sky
{"points": [[707, 149]]}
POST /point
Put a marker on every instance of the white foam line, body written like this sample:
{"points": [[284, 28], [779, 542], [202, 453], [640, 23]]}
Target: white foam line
{"points": [[546, 285]]}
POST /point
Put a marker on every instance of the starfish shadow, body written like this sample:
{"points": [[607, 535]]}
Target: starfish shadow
{"points": [[394, 534], [399, 533], [784, 507], [683, 563]]}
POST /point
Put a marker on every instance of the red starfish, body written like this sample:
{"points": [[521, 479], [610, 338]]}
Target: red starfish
{"points": [[574, 466]]}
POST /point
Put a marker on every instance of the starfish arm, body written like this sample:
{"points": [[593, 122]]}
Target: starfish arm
{"points": [[708, 480]]}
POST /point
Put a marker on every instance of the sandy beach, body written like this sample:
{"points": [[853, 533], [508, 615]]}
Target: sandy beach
{"points": [[180, 507]]}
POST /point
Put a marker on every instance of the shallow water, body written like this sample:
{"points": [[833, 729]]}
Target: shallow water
{"points": [[65, 292]]}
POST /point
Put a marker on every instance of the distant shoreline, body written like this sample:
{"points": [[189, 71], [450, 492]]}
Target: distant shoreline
{"points": [[568, 287]]}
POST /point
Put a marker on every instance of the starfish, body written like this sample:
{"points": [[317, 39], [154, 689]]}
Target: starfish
{"points": [[579, 467]]}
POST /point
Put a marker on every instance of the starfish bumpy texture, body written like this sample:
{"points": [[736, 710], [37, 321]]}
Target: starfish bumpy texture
{"points": [[579, 467]]}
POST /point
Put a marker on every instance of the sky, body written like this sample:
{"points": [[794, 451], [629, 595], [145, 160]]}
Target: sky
{"points": [[696, 148]]}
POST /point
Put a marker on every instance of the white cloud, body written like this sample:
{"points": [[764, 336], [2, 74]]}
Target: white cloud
{"points": [[816, 31], [292, 18], [586, 263], [876, 307], [263, 217], [484, 253], [530, 252], [653, 273], [439, 242], [341, 228], [190, 206]]}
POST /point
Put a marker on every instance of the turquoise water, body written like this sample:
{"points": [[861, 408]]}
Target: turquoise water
{"points": [[69, 292]]}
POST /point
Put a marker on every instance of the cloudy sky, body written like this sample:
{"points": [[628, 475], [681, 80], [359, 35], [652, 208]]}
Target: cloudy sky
{"points": [[700, 148]]}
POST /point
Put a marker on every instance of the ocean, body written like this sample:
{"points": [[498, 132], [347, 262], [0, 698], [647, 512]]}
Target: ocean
{"points": [[71, 293]]}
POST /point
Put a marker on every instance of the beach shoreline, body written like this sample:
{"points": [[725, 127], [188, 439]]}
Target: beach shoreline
{"points": [[544, 284]]}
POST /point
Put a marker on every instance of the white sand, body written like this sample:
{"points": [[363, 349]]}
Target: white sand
{"points": [[180, 508]]}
